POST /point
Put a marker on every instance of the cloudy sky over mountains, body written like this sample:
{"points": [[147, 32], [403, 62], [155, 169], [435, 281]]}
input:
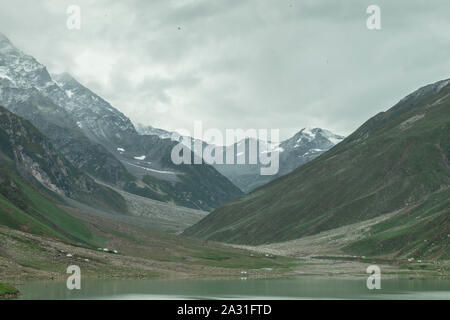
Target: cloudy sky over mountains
{"points": [[250, 64]]}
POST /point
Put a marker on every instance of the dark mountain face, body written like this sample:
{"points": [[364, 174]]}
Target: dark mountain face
{"points": [[90, 133], [25, 150], [393, 161], [194, 186]]}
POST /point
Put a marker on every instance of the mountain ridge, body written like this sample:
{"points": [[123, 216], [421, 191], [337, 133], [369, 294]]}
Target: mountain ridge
{"points": [[90, 132], [394, 160], [305, 145]]}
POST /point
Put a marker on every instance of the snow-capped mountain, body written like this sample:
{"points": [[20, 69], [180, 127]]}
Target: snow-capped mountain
{"points": [[99, 139], [20, 70], [308, 138], [22, 76], [303, 147], [93, 115], [172, 135], [28, 90]]}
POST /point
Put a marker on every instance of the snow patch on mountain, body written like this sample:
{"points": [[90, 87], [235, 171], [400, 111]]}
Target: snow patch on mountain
{"points": [[152, 131], [150, 169]]}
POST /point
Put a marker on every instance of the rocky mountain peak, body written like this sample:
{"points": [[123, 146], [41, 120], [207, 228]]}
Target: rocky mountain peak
{"points": [[98, 118], [308, 138], [19, 70], [149, 130]]}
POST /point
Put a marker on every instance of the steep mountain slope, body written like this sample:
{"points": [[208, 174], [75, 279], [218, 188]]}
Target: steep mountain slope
{"points": [[34, 178], [195, 186], [394, 160], [98, 120], [304, 146], [151, 131], [25, 151], [419, 231], [91, 134], [146, 157], [243, 174], [26, 88], [23, 207]]}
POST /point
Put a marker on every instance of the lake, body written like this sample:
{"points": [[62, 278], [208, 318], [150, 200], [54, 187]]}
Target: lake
{"points": [[296, 288]]}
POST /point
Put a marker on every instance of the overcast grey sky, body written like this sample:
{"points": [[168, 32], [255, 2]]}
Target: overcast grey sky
{"points": [[240, 64]]}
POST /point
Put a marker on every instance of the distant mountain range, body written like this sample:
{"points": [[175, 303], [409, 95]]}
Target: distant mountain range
{"points": [[98, 139], [398, 161], [304, 146]]}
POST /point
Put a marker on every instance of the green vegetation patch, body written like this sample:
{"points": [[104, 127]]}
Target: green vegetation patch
{"points": [[420, 232], [7, 291]]}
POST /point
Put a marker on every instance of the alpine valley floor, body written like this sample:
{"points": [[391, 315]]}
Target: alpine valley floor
{"points": [[148, 254]]}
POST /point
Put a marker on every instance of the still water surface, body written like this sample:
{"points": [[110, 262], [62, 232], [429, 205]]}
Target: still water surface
{"points": [[297, 288]]}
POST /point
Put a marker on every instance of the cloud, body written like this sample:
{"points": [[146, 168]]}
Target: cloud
{"points": [[240, 64]]}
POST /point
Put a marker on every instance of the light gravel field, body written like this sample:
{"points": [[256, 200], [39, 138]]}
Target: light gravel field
{"points": [[157, 215], [325, 243]]}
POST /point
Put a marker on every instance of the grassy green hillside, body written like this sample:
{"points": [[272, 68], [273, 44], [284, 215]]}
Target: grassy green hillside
{"points": [[39, 235], [141, 254], [34, 178], [7, 290], [419, 231], [24, 207], [394, 160]]}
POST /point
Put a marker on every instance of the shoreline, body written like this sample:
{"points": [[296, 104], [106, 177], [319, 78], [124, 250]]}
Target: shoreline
{"points": [[346, 270], [288, 288], [7, 291], [28, 257]]}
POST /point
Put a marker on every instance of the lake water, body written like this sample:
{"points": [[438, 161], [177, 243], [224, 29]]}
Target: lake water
{"points": [[298, 288]]}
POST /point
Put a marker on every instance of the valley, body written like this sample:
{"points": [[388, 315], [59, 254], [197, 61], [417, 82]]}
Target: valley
{"points": [[80, 184], [396, 160], [144, 254], [333, 246]]}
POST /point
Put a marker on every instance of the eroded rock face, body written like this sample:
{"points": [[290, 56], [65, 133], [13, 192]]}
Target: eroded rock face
{"points": [[28, 152], [35, 156]]}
